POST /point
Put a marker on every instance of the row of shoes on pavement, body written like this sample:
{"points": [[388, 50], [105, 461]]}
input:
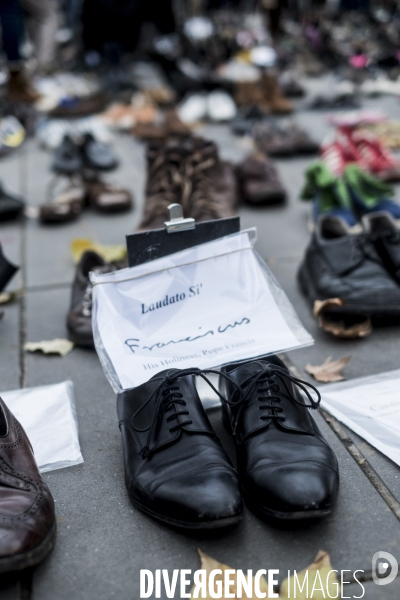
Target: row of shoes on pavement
{"points": [[176, 469], [189, 172], [79, 163], [360, 272]]}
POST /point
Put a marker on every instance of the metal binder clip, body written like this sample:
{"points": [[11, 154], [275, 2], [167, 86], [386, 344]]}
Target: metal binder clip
{"points": [[177, 222]]}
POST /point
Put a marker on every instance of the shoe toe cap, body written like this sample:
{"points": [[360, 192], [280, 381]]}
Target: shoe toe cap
{"points": [[200, 498], [294, 488]]}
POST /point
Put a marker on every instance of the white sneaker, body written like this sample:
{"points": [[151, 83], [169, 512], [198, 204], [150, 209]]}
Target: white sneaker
{"points": [[220, 106], [193, 109]]}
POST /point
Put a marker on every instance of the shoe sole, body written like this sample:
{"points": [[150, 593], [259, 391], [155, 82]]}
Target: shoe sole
{"points": [[185, 524], [365, 311], [30, 558], [265, 512]]}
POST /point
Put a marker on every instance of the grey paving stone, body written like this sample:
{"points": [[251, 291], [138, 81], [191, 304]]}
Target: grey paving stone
{"points": [[9, 343], [378, 592]]}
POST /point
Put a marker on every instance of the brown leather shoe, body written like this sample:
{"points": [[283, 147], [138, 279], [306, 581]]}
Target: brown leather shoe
{"points": [[27, 516], [273, 94], [107, 197], [250, 93], [68, 200], [259, 182], [79, 318], [20, 89]]}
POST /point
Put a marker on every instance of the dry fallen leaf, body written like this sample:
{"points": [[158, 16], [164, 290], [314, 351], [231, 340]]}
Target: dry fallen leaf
{"points": [[318, 581], [8, 297], [110, 253], [209, 564], [329, 371], [338, 328], [56, 346]]}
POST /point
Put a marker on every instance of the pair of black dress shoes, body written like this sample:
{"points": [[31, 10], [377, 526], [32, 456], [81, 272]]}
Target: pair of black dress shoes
{"points": [[177, 471]]}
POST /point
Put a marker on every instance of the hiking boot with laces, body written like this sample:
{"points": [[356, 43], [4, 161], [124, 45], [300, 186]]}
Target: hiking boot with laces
{"points": [[164, 181], [210, 185], [286, 468], [175, 467], [340, 265]]}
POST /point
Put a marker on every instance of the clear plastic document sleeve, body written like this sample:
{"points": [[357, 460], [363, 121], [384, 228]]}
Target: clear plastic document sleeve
{"points": [[203, 307]]}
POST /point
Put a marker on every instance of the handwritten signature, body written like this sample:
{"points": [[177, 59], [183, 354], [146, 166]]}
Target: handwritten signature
{"points": [[130, 342]]}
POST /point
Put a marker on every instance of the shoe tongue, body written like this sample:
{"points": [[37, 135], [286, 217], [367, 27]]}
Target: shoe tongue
{"points": [[243, 372]]}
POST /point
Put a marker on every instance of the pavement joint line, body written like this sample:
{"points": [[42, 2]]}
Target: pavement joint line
{"points": [[359, 458], [23, 168], [25, 579], [47, 287]]}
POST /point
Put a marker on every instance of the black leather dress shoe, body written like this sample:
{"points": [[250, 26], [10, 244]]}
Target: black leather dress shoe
{"points": [[175, 467], [286, 468], [340, 265], [384, 234]]}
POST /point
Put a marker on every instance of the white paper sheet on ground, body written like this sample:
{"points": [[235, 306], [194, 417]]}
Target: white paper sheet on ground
{"points": [[370, 406], [47, 414], [202, 307]]}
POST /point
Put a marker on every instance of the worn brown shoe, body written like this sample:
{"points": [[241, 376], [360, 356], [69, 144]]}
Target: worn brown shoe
{"points": [[250, 93], [79, 318], [210, 184], [165, 161], [67, 200], [273, 95], [259, 182], [27, 516], [106, 196], [20, 89]]}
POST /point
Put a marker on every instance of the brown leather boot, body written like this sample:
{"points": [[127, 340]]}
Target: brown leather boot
{"points": [[273, 94], [27, 517], [251, 93], [165, 160], [210, 189], [20, 89]]}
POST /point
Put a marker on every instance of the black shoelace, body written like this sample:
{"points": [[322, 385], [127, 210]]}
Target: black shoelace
{"points": [[363, 249], [265, 384], [168, 395]]}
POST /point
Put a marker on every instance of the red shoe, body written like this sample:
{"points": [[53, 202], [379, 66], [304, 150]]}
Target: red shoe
{"points": [[333, 155], [379, 160]]}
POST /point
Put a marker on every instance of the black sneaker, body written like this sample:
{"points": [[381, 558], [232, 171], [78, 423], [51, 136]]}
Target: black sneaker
{"points": [[286, 468], [97, 155], [383, 232], [7, 270], [340, 265], [67, 157], [11, 206], [175, 467]]}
